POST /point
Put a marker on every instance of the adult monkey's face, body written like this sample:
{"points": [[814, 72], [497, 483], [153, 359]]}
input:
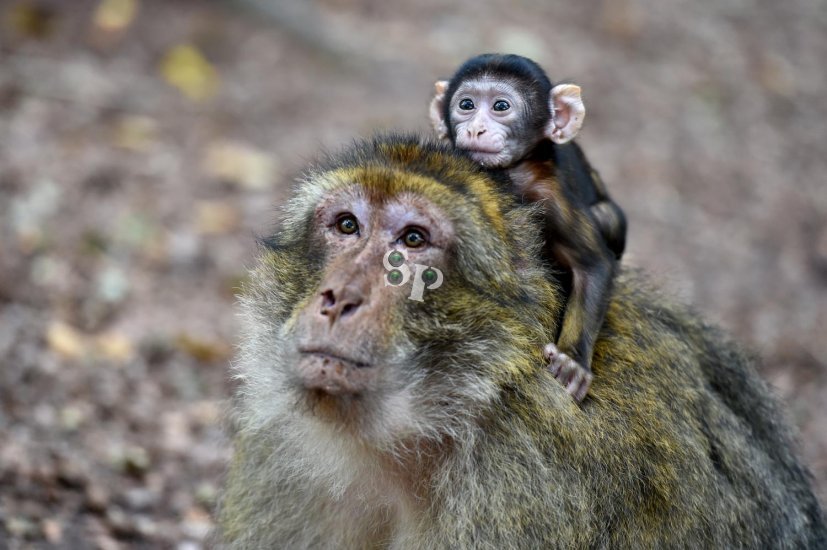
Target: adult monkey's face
{"points": [[327, 331], [346, 334]]}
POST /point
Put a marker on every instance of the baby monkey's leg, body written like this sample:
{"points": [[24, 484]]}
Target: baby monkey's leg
{"points": [[611, 221], [576, 378], [592, 265]]}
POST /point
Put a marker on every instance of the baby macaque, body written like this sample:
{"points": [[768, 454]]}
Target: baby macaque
{"points": [[503, 111]]}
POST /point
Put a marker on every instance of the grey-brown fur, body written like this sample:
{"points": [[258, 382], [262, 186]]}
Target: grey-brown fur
{"points": [[680, 446]]}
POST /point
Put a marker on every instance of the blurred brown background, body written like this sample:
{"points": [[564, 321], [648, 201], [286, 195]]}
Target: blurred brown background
{"points": [[143, 145]]}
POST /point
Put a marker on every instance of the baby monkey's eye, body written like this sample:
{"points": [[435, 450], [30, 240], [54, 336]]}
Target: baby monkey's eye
{"points": [[466, 104], [501, 105], [414, 238], [347, 224]]}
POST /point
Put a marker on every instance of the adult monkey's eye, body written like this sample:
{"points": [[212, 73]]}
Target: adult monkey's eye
{"points": [[347, 224], [414, 238], [501, 105], [466, 104]]}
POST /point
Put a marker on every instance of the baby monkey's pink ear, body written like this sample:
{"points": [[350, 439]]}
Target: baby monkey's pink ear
{"points": [[437, 109], [567, 113]]}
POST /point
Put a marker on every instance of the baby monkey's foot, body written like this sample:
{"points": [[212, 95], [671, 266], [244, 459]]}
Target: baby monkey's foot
{"points": [[575, 377]]}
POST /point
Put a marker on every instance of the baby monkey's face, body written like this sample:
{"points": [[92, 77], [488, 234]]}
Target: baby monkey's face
{"points": [[490, 121]]}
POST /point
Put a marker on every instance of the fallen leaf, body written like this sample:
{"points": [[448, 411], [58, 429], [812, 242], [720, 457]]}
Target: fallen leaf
{"points": [[66, 341], [31, 20], [114, 346], [73, 416], [197, 523], [136, 133], [240, 164], [52, 530], [185, 68], [135, 231], [176, 434], [206, 493], [133, 460], [112, 284], [202, 350], [19, 526], [31, 212], [115, 15], [216, 217], [205, 413]]}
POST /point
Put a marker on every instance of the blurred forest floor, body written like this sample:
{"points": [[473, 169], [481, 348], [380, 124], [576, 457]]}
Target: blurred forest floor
{"points": [[144, 144]]}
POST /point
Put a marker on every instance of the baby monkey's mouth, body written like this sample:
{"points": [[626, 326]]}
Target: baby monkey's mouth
{"points": [[487, 158], [484, 150]]}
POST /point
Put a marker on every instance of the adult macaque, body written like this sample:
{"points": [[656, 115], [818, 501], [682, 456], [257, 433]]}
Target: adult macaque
{"points": [[504, 113], [365, 419]]}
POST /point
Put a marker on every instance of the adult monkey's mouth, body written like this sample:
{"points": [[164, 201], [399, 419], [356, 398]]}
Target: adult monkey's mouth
{"points": [[333, 356], [331, 373]]}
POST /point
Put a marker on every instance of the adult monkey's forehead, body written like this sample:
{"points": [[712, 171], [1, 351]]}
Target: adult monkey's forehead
{"points": [[392, 166]]}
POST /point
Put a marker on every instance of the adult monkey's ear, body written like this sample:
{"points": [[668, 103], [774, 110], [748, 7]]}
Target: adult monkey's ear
{"points": [[437, 109], [567, 113]]}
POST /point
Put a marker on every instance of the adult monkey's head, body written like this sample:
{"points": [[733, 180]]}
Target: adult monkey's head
{"points": [[499, 107], [325, 328]]}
